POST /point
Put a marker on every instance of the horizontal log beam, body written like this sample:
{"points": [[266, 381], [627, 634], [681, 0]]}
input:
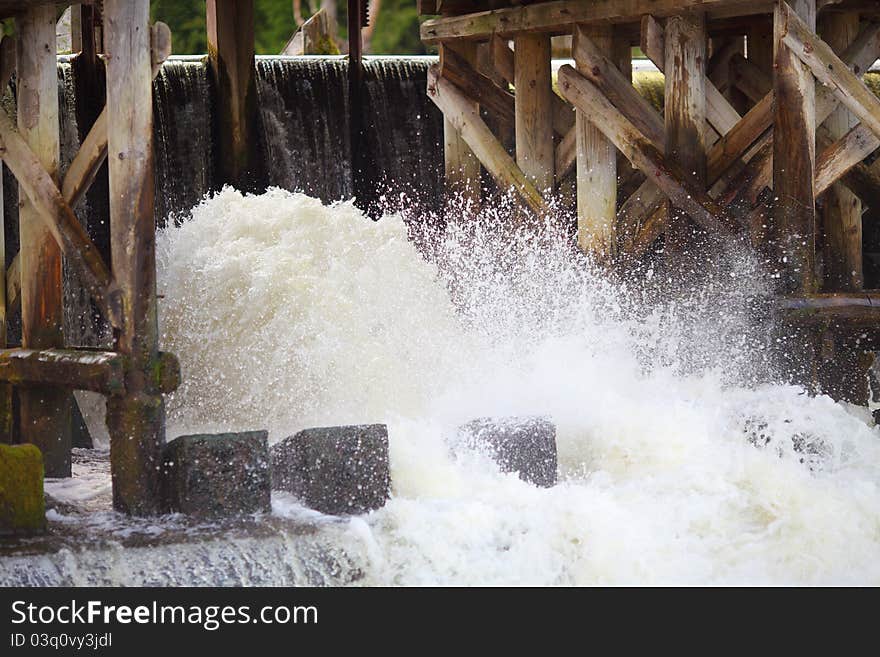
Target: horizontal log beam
{"points": [[458, 110], [560, 16], [830, 69], [585, 96], [81, 369], [852, 310]]}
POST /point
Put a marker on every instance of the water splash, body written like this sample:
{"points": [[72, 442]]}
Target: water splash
{"points": [[681, 461]]}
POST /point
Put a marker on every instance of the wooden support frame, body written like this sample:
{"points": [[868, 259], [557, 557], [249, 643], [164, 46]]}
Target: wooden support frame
{"points": [[535, 153], [459, 110], [462, 167]]}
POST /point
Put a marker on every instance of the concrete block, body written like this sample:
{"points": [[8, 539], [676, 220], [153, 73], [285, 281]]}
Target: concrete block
{"points": [[218, 475], [335, 470], [525, 445], [22, 504]]}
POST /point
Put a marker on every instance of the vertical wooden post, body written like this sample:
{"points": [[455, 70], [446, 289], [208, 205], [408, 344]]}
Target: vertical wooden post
{"points": [[45, 411], [842, 213], [534, 129], [759, 43], [596, 166], [794, 159], [231, 55], [685, 108], [135, 420], [461, 165]]}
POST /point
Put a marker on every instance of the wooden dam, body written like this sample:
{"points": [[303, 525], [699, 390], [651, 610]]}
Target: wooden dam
{"points": [[768, 132]]}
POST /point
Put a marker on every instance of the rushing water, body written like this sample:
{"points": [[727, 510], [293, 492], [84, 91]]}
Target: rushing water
{"points": [[680, 460]]}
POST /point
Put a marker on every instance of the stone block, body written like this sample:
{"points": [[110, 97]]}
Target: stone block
{"points": [[335, 470], [218, 475], [525, 445], [22, 503]]}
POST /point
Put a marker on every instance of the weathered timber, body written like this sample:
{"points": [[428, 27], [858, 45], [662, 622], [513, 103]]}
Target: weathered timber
{"points": [[231, 57], [720, 114], [503, 59], [842, 210], [596, 165], [7, 67], [98, 371], [314, 37], [854, 310], [829, 68], [685, 108], [839, 157], [794, 156], [731, 147], [638, 208], [53, 212], [585, 96], [559, 16], [535, 154], [864, 180], [135, 420], [44, 410], [458, 109], [602, 73], [462, 167], [750, 79], [488, 95]]}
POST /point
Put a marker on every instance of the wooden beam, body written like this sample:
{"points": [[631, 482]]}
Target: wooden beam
{"points": [[98, 371], [602, 73], [458, 109], [842, 210], [489, 96], [231, 57], [561, 15], [596, 164], [685, 108], [750, 79], [45, 411], [730, 148], [7, 424], [535, 154], [461, 166], [720, 114], [135, 420], [864, 180], [829, 68], [585, 96], [794, 158]]}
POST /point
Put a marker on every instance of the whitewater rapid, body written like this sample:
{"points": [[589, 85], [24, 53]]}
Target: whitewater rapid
{"points": [[676, 448]]}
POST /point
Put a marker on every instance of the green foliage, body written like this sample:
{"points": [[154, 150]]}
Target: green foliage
{"points": [[396, 31]]}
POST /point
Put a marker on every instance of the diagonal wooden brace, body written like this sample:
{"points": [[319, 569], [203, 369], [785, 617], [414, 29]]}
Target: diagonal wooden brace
{"points": [[457, 109]]}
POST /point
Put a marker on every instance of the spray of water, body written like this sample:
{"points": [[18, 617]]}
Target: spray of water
{"points": [[681, 459]]}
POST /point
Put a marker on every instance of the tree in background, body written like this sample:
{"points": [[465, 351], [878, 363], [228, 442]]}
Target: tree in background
{"points": [[395, 27]]}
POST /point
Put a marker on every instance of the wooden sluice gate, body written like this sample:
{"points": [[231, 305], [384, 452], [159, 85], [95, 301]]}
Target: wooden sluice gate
{"points": [[768, 132]]}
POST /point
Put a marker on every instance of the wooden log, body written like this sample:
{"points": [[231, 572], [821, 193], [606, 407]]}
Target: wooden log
{"points": [[488, 95], [98, 371], [720, 114], [61, 224], [231, 57], [618, 89], [794, 157], [535, 154], [459, 110], [864, 180], [750, 79], [685, 109], [842, 210], [596, 165], [462, 167], [503, 59], [560, 15], [135, 420], [731, 147], [314, 37], [7, 66], [829, 68], [44, 411], [585, 96], [635, 212]]}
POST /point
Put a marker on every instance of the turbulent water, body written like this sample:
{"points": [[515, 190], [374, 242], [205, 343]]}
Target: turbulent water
{"points": [[680, 460]]}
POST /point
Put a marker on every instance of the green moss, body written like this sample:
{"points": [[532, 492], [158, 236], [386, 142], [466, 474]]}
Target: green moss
{"points": [[22, 505], [649, 84]]}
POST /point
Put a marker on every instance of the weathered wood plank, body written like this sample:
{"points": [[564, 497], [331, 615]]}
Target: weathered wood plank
{"points": [[459, 110], [231, 57], [98, 371], [45, 411], [685, 108], [489, 96], [135, 420], [794, 158], [596, 165], [842, 210], [585, 96], [535, 153], [560, 15], [462, 168], [829, 68]]}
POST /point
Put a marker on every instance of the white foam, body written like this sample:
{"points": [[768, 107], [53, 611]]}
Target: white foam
{"points": [[286, 313]]}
